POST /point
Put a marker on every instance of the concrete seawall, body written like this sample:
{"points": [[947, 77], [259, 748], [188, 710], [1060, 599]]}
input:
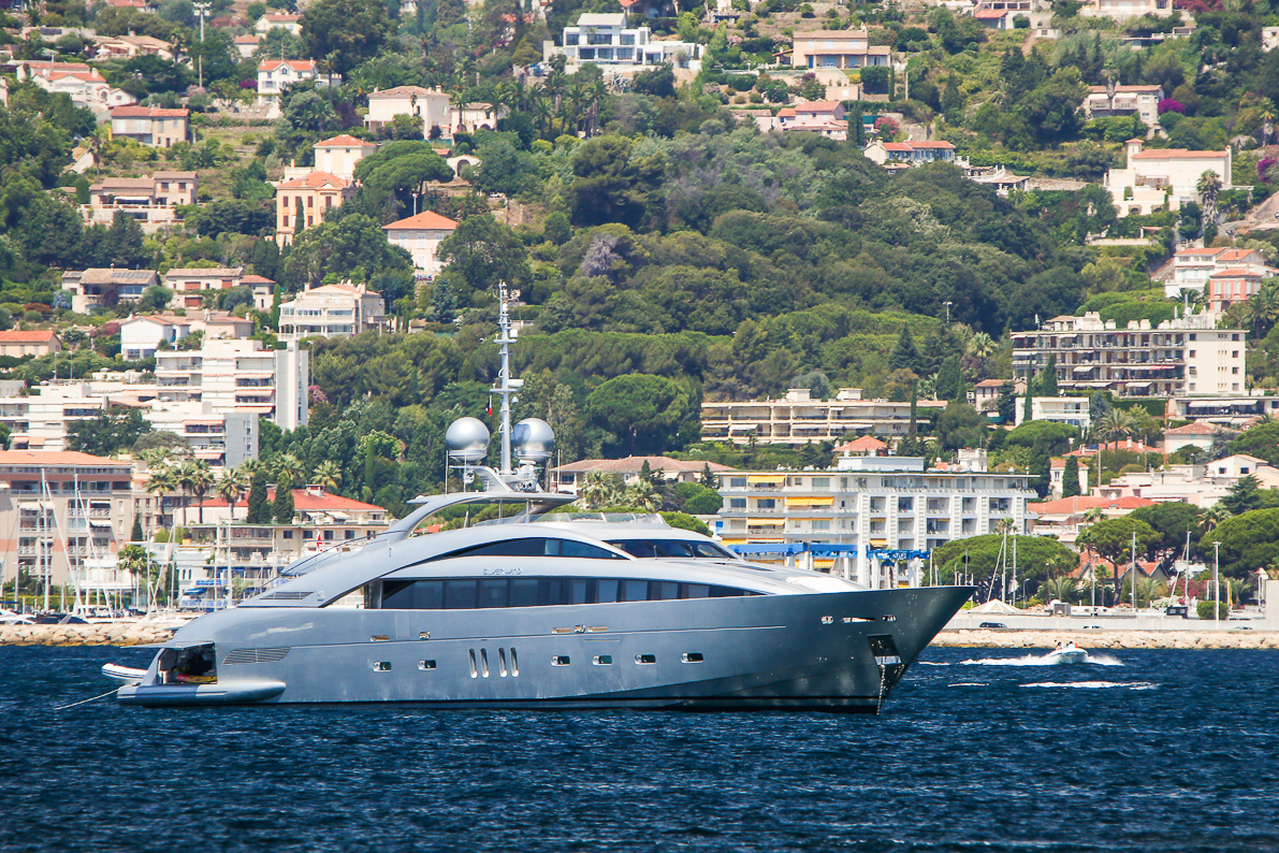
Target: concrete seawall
{"points": [[107, 634], [1093, 639]]}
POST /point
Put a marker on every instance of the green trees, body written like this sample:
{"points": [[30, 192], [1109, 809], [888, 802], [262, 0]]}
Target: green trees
{"points": [[1248, 541], [1260, 440], [1038, 558], [259, 512], [391, 175], [353, 247], [1247, 495], [1112, 539], [343, 33], [611, 185], [1070, 478], [282, 506], [113, 430], [481, 252], [645, 412], [960, 426]]}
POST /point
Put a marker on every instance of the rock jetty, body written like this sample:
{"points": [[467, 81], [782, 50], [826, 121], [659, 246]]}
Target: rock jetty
{"points": [[1014, 639], [105, 634]]}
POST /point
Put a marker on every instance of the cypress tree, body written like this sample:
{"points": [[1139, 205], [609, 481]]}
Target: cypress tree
{"points": [[950, 381], [258, 513], [1027, 411], [1048, 382], [283, 506], [1070, 478], [904, 355], [914, 409], [136, 534], [298, 223]]}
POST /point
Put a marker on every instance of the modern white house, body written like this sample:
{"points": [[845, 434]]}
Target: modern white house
{"points": [[279, 21], [1141, 101], [420, 236], [141, 336], [1163, 178], [340, 154], [333, 310], [605, 39]]}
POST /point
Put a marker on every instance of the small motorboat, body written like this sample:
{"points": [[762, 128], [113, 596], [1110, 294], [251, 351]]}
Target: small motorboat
{"points": [[1067, 652]]}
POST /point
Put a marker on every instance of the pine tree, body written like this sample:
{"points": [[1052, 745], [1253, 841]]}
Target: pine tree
{"points": [[136, 534], [1070, 478], [904, 355], [1048, 381], [258, 512], [914, 409], [708, 477], [283, 506], [950, 381]]}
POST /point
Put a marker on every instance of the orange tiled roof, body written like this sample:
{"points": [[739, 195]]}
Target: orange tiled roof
{"points": [[427, 220]]}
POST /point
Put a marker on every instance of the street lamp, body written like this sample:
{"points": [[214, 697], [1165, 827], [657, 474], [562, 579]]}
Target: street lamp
{"points": [[1216, 584], [202, 9], [948, 303]]}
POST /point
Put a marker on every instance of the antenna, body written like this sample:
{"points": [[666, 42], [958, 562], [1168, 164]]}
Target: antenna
{"points": [[506, 387]]}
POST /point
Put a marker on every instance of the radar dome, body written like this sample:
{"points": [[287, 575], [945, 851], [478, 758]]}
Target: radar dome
{"points": [[533, 439], [467, 440]]}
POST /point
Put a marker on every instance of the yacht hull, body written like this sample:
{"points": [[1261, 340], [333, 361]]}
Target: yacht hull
{"points": [[841, 651]]}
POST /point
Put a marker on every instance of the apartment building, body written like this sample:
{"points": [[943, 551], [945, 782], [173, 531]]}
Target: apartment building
{"points": [[140, 337], [797, 418], [152, 200], [1184, 356], [875, 510], [1193, 269], [1072, 411], [64, 515], [237, 376], [334, 310]]}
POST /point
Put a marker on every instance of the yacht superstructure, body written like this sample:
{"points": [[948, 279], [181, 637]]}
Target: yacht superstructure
{"points": [[541, 609]]}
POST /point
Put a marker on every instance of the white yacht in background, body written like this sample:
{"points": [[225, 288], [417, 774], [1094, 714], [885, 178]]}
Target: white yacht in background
{"points": [[537, 609]]}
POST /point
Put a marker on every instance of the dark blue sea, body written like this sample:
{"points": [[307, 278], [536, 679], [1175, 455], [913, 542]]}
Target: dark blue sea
{"points": [[977, 750]]}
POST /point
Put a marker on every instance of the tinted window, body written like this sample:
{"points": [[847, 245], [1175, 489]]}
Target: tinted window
{"points": [[471, 593], [534, 546], [672, 548]]}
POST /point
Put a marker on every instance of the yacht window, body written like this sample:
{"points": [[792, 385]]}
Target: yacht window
{"points": [[491, 593], [645, 659], [672, 548], [533, 546]]}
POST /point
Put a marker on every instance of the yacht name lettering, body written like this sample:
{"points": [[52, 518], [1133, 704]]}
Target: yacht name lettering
{"points": [[502, 571]]}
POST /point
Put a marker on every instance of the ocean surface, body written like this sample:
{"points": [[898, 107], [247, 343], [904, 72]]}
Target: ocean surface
{"points": [[977, 750]]}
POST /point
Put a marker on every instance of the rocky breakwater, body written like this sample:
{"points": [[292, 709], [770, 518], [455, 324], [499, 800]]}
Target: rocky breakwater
{"points": [[1013, 639], [105, 634]]}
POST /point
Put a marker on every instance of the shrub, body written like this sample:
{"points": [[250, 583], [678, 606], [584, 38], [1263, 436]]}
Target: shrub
{"points": [[1168, 105], [1204, 609]]}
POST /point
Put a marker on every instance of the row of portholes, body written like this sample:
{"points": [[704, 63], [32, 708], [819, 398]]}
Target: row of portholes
{"points": [[642, 660], [480, 664]]}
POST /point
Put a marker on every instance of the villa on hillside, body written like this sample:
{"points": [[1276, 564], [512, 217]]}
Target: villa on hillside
{"points": [[1163, 178]]}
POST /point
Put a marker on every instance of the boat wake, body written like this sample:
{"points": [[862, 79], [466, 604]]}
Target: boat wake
{"points": [[1096, 685], [1097, 658]]}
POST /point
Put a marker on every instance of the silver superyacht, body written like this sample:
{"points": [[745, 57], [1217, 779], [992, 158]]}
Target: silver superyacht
{"points": [[541, 608]]}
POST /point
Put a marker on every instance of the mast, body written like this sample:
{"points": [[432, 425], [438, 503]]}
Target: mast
{"points": [[46, 560], [506, 387]]}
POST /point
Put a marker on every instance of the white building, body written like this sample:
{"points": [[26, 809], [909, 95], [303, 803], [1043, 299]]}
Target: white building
{"points": [[797, 418], [278, 21], [1141, 101], [421, 236], [1192, 268], [432, 105], [100, 286], [151, 126], [339, 155], [333, 310], [152, 200], [911, 153], [140, 337], [1072, 411], [1122, 10], [871, 503], [276, 75], [83, 84], [1163, 178], [605, 39], [1187, 355], [239, 376]]}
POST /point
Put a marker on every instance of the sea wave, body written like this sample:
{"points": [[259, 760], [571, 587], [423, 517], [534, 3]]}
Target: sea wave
{"points": [[1097, 658], [1096, 685]]}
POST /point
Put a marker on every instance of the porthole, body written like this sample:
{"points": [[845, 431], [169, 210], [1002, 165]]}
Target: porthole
{"points": [[475, 672], [559, 660], [645, 659], [501, 662], [603, 660], [691, 657], [426, 665], [484, 663], [515, 664], [381, 666]]}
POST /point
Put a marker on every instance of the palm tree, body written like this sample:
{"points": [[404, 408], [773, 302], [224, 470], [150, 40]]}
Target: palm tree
{"points": [[1091, 517], [1115, 424], [164, 480], [1214, 515], [327, 474], [641, 494], [981, 346], [233, 486], [1209, 187], [288, 466], [196, 477], [1062, 589], [599, 489]]}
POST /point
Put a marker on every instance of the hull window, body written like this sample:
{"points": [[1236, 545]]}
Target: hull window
{"points": [[692, 657], [381, 666], [493, 593], [603, 660], [192, 665], [645, 660], [673, 548], [559, 660], [501, 662], [533, 546], [475, 672], [426, 665], [515, 664]]}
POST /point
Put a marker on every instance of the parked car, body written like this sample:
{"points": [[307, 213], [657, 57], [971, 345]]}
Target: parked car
{"points": [[993, 625]]}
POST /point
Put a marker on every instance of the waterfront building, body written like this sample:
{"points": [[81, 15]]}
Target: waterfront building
{"points": [[65, 515], [1186, 355], [872, 504], [797, 418], [239, 376], [330, 311], [420, 235]]}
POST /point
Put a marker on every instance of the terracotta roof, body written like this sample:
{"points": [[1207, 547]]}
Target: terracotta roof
{"points": [[866, 443], [1082, 503], [427, 220], [1126, 444], [256, 279], [295, 64], [56, 457], [990, 14], [990, 383], [931, 143], [247, 39], [345, 140], [404, 91], [1194, 428], [314, 180], [148, 112], [1125, 89], [34, 337], [633, 464], [786, 112], [1179, 154], [836, 35], [817, 107], [1235, 272]]}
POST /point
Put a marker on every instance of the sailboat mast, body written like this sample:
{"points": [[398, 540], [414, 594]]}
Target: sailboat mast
{"points": [[46, 559]]}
